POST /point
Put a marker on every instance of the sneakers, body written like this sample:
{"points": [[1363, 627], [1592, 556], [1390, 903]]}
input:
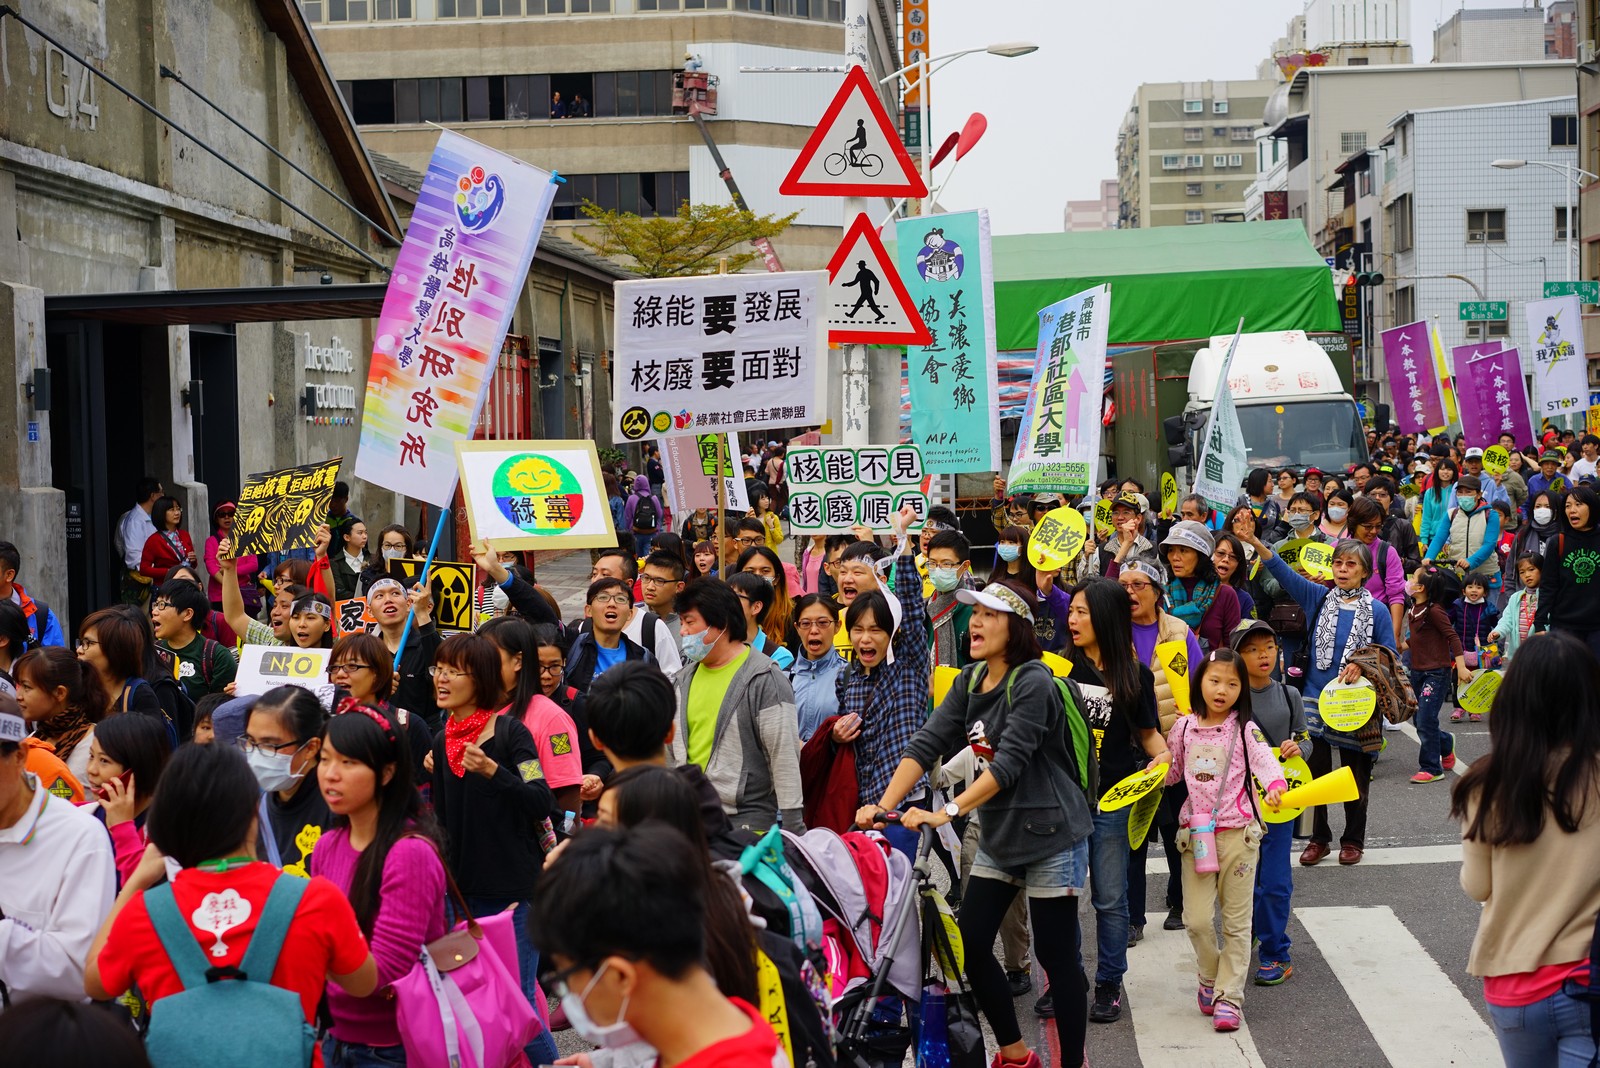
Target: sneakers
{"points": [[1273, 972], [1020, 982], [1031, 1061], [1425, 777], [1448, 761], [1174, 920], [1045, 1007], [1107, 1005], [1390, 726], [1207, 999], [1135, 935], [1226, 1017]]}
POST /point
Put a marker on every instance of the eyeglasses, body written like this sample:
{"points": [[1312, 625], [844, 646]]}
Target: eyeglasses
{"points": [[551, 669], [813, 624], [445, 672], [753, 539], [249, 745], [84, 643], [158, 606], [1138, 587], [651, 580], [613, 598], [334, 668]]}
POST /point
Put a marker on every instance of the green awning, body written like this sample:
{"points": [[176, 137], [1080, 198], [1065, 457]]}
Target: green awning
{"points": [[1168, 283]]}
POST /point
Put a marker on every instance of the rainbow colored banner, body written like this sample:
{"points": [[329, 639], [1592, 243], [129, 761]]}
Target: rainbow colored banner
{"points": [[450, 299]]}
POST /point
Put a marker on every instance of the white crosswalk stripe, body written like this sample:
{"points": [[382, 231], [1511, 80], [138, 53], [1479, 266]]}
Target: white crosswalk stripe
{"points": [[1381, 965], [1160, 985], [1448, 853]]}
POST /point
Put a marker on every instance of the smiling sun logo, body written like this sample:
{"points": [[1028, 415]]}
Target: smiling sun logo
{"points": [[537, 494]]}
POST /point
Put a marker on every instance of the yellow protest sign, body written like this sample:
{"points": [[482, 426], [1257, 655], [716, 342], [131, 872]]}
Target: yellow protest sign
{"points": [[1347, 708], [1409, 490], [1289, 551], [1133, 787], [1057, 539], [1478, 696], [1496, 459], [1296, 772], [1174, 660], [942, 678], [1059, 665], [1143, 817], [1102, 519], [1594, 419], [1316, 560], [1169, 494]]}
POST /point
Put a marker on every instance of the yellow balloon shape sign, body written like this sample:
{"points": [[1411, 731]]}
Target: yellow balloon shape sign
{"points": [[1133, 787], [1143, 817], [1331, 789], [1296, 772], [1057, 539], [1311, 558], [1102, 519], [942, 678], [1169, 494], [1174, 660], [1059, 665], [1478, 696], [1496, 459], [1347, 708]]}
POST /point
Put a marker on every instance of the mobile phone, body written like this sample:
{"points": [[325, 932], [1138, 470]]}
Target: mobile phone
{"points": [[100, 791]]}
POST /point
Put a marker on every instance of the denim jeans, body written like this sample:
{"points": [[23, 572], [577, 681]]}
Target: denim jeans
{"points": [[1108, 887], [1431, 688], [1553, 1033], [336, 1054], [1274, 889], [542, 1050], [641, 544]]}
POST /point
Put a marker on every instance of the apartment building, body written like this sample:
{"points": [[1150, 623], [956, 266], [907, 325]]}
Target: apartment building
{"points": [[1084, 215], [585, 87], [1186, 152], [1586, 30], [1472, 35]]}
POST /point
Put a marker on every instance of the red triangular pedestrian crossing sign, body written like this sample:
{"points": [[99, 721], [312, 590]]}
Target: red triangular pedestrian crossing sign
{"points": [[867, 303], [854, 151]]}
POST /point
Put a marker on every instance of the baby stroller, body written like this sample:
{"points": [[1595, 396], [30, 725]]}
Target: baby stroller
{"points": [[883, 1014]]}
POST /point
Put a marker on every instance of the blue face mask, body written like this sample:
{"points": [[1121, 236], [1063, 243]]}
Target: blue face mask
{"points": [[695, 647], [1008, 552]]}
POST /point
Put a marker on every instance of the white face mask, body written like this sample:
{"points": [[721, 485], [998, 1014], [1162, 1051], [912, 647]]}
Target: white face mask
{"points": [[610, 1036], [273, 771], [1337, 514], [1542, 516], [393, 554]]}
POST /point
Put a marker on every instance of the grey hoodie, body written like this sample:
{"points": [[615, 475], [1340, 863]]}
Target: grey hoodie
{"points": [[755, 753]]}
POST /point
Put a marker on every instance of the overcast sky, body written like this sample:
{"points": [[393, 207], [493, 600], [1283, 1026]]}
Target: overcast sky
{"points": [[1053, 115]]}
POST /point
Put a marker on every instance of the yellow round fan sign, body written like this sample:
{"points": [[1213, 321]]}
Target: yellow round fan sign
{"points": [[1296, 772], [1347, 708], [1058, 539], [1133, 787]]}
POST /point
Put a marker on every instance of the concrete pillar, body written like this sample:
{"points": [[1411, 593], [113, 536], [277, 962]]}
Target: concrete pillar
{"points": [[32, 511]]}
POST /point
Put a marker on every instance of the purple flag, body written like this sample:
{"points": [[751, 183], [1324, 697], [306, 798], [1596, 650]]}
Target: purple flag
{"points": [[1466, 401], [1493, 396], [1418, 404]]}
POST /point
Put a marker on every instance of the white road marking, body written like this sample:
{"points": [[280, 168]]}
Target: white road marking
{"points": [[1397, 855], [1381, 965], [1160, 986]]}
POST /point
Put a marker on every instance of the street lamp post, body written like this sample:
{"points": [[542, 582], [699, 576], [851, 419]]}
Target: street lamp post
{"points": [[1574, 176]]}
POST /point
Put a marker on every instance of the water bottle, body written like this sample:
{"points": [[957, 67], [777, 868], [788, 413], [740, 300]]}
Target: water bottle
{"points": [[569, 823], [1203, 842]]}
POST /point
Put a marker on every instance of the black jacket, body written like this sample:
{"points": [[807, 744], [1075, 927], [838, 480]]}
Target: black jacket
{"points": [[492, 826], [584, 657]]}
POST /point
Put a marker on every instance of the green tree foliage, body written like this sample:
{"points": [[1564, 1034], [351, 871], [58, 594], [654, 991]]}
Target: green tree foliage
{"points": [[690, 242]]}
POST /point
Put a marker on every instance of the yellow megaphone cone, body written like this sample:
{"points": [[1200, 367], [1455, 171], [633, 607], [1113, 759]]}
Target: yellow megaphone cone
{"points": [[1328, 790]]}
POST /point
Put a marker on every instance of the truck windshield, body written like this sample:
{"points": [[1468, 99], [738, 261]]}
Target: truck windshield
{"points": [[1325, 434]]}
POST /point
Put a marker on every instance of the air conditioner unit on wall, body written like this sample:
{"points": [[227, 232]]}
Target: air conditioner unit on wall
{"points": [[1586, 52]]}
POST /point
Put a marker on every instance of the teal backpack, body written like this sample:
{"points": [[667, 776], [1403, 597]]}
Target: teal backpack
{"points": [[219, 1005]]}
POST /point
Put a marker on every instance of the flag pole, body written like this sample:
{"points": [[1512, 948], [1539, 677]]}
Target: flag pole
{"points": [[427, 566]]}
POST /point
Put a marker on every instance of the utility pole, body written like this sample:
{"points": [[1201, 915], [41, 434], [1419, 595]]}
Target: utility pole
{"points": [[854, 410]]}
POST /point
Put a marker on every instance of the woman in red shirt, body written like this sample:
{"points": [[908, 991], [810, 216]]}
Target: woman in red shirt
{"points": [[203, 817], [170, 545]]}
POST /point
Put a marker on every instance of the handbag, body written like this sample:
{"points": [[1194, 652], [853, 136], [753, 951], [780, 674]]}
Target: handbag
{"points": [[1287, 617], [462, 1004]]}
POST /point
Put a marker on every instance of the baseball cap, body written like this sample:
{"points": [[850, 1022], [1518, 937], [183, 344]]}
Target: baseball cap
{"points": [[1246, 629], [1190, 535], [998, 597], [1473, 453], [1047, 498], [12, 728], [1552, 456], [1136, 501]]}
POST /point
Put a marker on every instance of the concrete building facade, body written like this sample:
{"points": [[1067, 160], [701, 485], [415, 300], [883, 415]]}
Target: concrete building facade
{"points": [[584, 87], [1101, 214], [1586, 30], [1479, 35], [1186, 152]]}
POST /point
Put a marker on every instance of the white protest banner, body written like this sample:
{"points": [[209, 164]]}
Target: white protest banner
{"points": [[719, 352], [1223, 463], [1560, 367], [690, 465], [455, 285], [535, 494], [1058, 442], [265, 667], [833, 489]]}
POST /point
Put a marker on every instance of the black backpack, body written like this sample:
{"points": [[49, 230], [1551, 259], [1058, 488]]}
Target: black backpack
{"points": [[645, 516]]}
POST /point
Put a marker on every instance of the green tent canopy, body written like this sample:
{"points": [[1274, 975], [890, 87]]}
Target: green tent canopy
{"points": [[1168, 283]]}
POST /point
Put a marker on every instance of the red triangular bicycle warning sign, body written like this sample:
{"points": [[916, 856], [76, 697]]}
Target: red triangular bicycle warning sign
{"points": [[854, 151], [867, 303]]}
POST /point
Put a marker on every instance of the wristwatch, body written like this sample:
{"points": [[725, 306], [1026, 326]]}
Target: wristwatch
{"points": [[952, 809]]}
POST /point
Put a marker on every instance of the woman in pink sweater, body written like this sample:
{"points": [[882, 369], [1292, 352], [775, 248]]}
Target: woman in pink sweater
{"points": [[127, 753], [383, 853], [1215, 750]]}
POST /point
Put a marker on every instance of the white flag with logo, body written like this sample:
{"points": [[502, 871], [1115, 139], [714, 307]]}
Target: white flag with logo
{"points": [[1223, 464]]}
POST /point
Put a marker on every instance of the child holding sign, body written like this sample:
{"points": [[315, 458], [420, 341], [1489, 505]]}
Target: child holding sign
{"points": [[1434, 645], [1213, 751], [1279, 711]]}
